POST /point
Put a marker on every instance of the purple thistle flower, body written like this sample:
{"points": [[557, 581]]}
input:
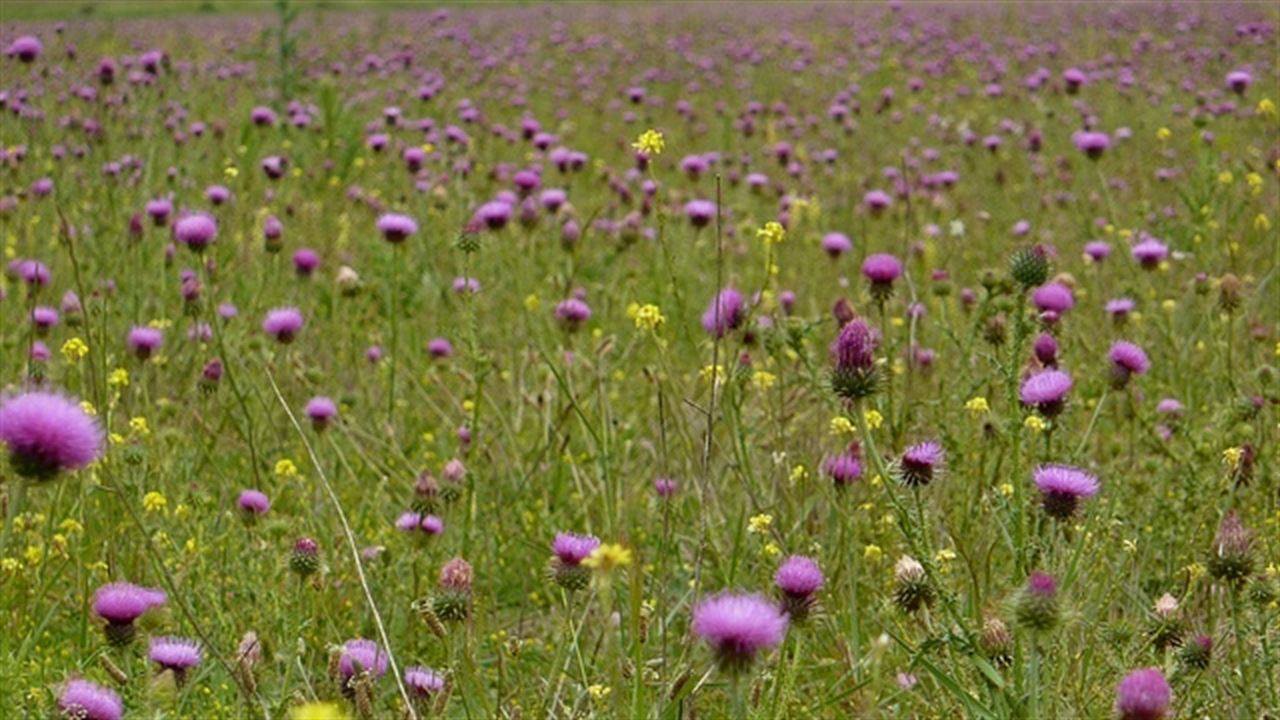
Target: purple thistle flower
{"points": [[920, 462], [1092, 144], [572, 549], [253, 502], [422, 682], [843, 469], [159, 210], [1127, 359], [494, 215], [120, 604], [881, 270], [836, 244], [144, 341], [853, 374], [1045, 348], [572, 313], [737, 627], [1097, 250], [25, 48], [1239, 81], [725, 313], [43, 318], [798, 578], [84, 700], [1054, 297], [1046, 391], [1143, 695], [1062, 487], [30, 272], [1037, 606], [1119, 308], [305, 262], [396, 228], [361, 655], [176, 654], [283, 323], [439, 348], [196, 231], [1150, 253], [700, 212], [877, 201], [47, 433], [665, 487], [321, 410]]}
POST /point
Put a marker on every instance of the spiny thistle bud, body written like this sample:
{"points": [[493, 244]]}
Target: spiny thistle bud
{"points": [[1230, 290], [911, 586], [454, 601], [1037, 604], [1262, 591], [919, 463], [853, 374], [569, 551], [426, 493], [996, 642], [305, 558], [1197, 653], [1167, 626], [1029, 267], [1232, 557], [996, 330]]}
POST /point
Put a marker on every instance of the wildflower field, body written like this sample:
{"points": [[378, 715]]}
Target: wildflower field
{"points": [[639, 361]]}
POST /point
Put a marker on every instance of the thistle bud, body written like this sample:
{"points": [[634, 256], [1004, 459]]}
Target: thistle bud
{"points": [[305, 558], [1030, 266], [1037, 604], [853, 374], [1197, 653], [996, 642], [454, 601], [426, 492], [1166, 623], [1230, 290], [1232, 557], [911, 585]]}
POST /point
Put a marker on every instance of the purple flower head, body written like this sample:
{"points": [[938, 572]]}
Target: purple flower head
{"points": [[396, 228], [1097, 250], [1074, 79], [877, 201], [321, 410], [283, 323], [253, 502], [665, 487], [196, 231], [160, 210], [1045, 348], [1054, 297], [362, 655], [121, 603], [1239, 81], [1170, 406], [305, 262], [725, 313], [1127, 359], [47, 433], [1062, 487], [572, 313], [855, 346], [1150, 252], [439, 348], [43, 318], [1119, 308], [843, 469], [1143, 695], [172, 653], [920, 462], [737, 627], [1092, 144], [422, 682], [836, 244], [1041, 585], [217, 194], [494, 215], [881, 269], [31, 272], [84, 700], [572, 549], [1046, 391], [25, 48], [144, 341], [799, 576], [700, 212]]}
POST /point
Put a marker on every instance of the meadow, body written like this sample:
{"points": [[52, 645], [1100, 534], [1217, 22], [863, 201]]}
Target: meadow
{"points": [[639, 361]]}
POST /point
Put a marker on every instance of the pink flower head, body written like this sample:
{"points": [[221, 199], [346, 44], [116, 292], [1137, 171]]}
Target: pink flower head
{"points": [[1062, 487], [1046, 391], [700, 212], [25, 48], [196, 231], [836, 244], [881, 269], [321, 410], [737, 627], [572, 313], [47, 433], [85, 700], [253, 502], [725, 313], [920, 462], [423, 682], [121, 603], [1150, 252], [362, 655], [1092, 144], [283, 323], [1143, 695], [1054, 297], [1128, 358], [573, 549], [144, 341], [172, 653], [396, 228], [799, 576]]}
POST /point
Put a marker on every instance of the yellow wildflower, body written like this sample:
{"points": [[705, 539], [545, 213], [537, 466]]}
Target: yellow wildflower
{"points": [[1231, 457], [74, 350], [1035, 423], [285, 468], [532, 302], [874, 419], [1262, 222], [759, 523], [710, 373], [872, 553], [977, 405], [650, 143], [599, 692], [648, 317], [771, 550], [139, 426], [1266, 107], [772, 233], [154, 501], [318, 711], [840, 425], [799, 473], [88, 408], [763, 380], [1163, 134], [118, 378], [608, 556], [1226, 178]]}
